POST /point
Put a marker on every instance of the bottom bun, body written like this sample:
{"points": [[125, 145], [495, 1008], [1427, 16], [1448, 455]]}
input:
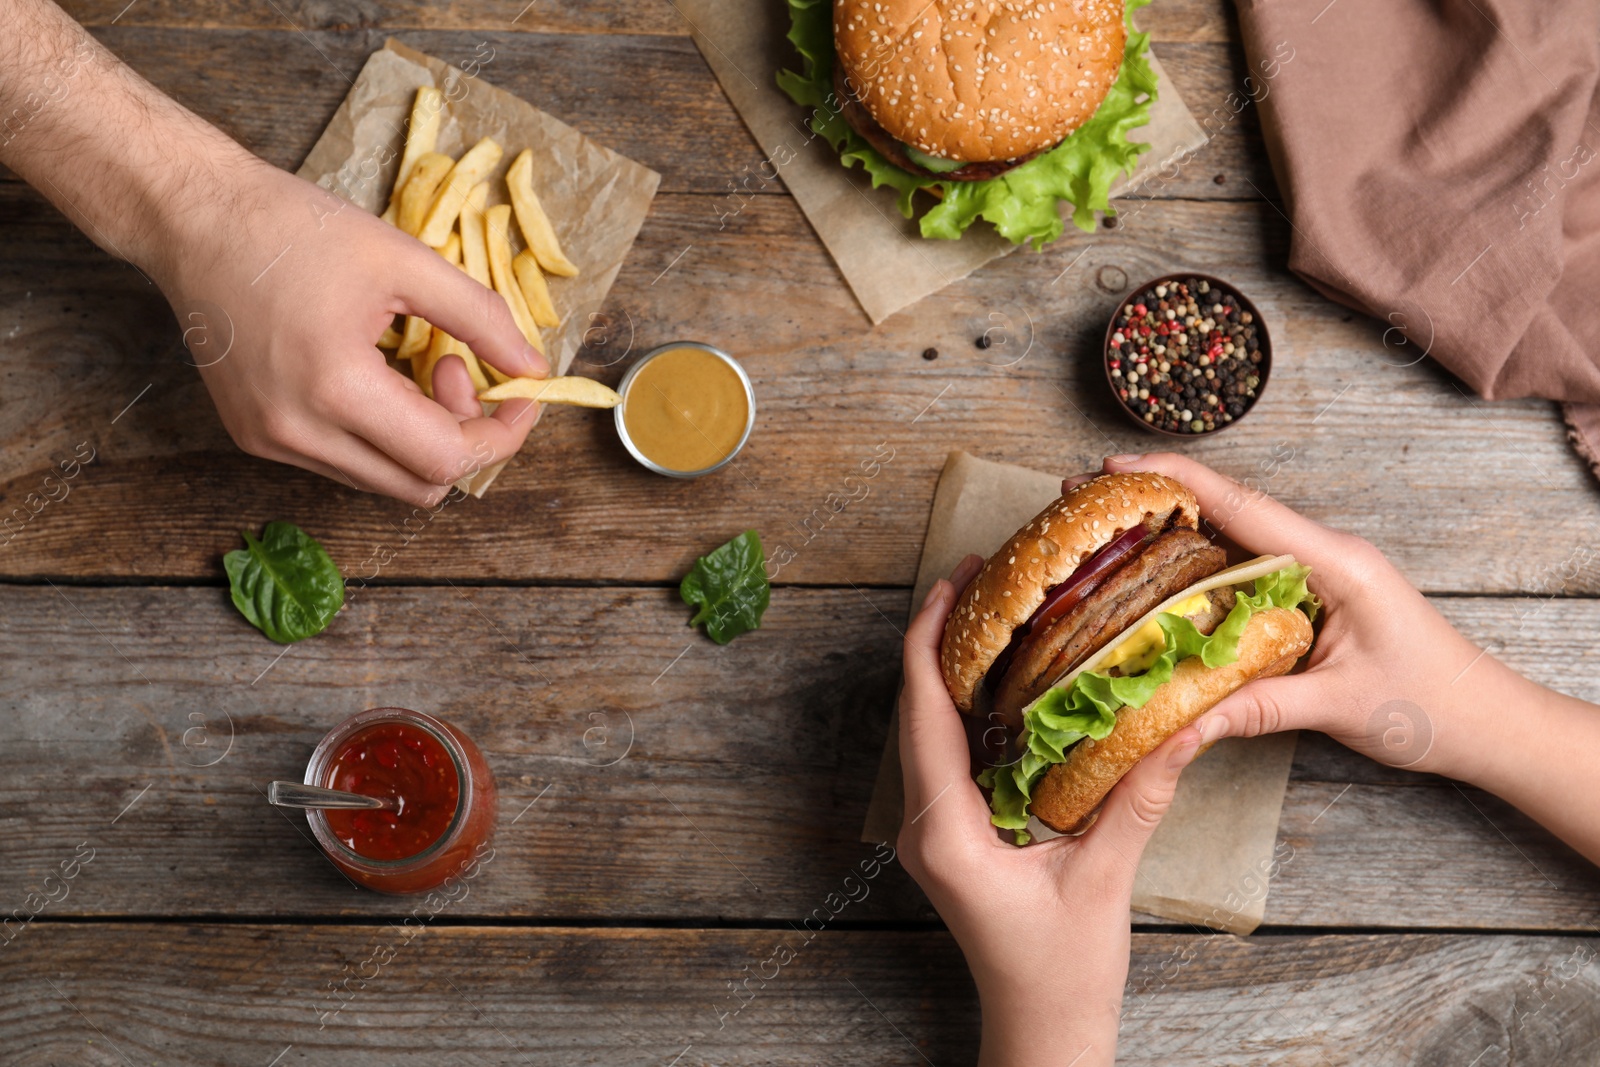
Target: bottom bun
{"points": [[1069, 794]]}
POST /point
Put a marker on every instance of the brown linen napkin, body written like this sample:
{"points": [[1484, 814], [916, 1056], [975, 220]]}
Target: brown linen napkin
{"points": [[1438, 160]]}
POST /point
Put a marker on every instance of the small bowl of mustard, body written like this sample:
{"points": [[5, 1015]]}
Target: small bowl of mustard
{"points": [[687, 409]]}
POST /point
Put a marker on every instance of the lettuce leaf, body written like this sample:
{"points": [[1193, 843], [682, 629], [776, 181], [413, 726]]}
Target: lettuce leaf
{"points": [[1022, 203], [1088, 707]]}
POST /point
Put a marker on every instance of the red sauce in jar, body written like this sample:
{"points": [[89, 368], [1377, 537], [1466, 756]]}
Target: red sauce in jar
{"points": [[441, 827], [401, 761]]}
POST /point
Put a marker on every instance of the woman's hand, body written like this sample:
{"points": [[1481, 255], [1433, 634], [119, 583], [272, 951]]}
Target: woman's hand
{"points": [[1045, 929], [1388, 675], [1391, 678], [282, 290]]}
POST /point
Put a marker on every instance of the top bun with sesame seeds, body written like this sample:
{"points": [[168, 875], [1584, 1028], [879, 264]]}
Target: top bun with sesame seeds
{"points": [[975, 81], [1043, 555]]}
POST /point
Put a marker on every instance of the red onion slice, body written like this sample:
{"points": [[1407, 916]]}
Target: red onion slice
{"points": [[1070, 593], [1086, 579]]}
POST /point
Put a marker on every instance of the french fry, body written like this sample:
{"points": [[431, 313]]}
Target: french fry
{"points": [[414, 340], [496, 223], [417, 197], [422, 134], [536, 228], [474, 253], [451, 249], [534, 289], [422, 365], [469, 170], [390, 338], [571, 389]]}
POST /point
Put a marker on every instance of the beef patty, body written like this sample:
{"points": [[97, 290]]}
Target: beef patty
{"points": [[1175, 560]]}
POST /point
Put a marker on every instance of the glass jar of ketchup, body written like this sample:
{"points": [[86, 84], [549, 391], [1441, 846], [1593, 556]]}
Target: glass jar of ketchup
{"points": [[445, 799]]}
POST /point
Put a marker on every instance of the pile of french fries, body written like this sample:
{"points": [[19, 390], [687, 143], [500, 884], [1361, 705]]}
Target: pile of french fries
{"points": [[444, 203]]}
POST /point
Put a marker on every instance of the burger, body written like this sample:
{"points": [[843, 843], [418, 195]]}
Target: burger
{"points": [[1000, 110], [1103, 627]]}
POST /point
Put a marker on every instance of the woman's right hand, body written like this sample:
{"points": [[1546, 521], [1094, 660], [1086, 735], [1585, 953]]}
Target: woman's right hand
{"points": [[1388, 675]]}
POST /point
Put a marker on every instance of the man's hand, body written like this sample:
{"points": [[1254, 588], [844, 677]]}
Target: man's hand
{"points": [[281, 315], [281, 289]]}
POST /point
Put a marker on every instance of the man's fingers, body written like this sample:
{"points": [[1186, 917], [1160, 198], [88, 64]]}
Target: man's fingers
{"points": [[1136, 806], [434, 444], [1250, 518], [351, 462], [429, 286], [453, 388], [933, 735]]}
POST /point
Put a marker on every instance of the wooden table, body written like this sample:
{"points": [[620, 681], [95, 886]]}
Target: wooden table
{"points": [[672, 810]]}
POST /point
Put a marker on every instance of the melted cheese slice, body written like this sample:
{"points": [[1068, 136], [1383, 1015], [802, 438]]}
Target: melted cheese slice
{"points": [[1140, 649]]}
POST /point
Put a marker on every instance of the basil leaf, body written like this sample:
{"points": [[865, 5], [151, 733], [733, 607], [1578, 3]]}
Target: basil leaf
{"points": [[285, 584], [730, 586]]}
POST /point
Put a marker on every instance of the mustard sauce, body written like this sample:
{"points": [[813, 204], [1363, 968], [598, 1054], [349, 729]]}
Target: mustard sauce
{"points": [[686, 409]]}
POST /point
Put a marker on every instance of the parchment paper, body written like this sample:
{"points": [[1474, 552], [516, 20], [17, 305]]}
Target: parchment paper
{"points": [[596, 199], [882, 255], [1210, 860]]}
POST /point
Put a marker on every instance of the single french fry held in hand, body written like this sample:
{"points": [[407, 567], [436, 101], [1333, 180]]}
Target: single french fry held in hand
{"points": [[474, 253], [422, 134], [536, 229], [497, 236], [417, 197], [534, 289], [473, 167], [570, 389]]}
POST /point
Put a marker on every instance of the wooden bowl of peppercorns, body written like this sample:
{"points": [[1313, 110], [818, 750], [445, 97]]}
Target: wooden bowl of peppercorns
{"points": [[1186, 355]]}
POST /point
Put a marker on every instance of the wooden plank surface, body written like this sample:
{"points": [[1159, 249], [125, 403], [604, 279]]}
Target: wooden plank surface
{"points": [[366, 995], [645, 773], [651, 98], [1166, 20], [648, 776], [1396, 453]]}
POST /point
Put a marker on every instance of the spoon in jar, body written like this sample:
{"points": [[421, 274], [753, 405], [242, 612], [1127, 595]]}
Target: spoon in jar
{"points": [[297, 795]]}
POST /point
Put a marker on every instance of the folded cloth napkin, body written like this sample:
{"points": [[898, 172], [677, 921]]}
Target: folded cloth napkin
{"points": [[1440, 165]]}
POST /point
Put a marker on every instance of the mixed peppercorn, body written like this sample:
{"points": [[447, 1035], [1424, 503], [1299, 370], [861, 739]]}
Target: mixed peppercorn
{"points": [[1185, 357]]}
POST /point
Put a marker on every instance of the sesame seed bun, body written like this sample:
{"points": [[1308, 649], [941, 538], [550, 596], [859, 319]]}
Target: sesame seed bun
{"points": [[979, 80], [1042, 555]]}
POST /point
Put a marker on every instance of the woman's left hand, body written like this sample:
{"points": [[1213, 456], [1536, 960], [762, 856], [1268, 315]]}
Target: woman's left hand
{"points": [[1045, 928]]}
